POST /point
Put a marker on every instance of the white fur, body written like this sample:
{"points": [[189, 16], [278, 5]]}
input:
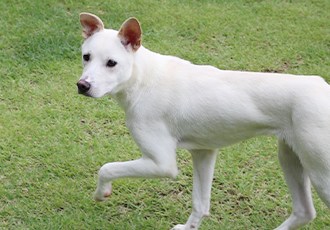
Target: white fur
{"points": [[170, 103]]}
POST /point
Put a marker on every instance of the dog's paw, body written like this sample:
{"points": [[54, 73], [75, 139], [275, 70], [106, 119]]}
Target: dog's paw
{"points": [[178, 227], [103, 192]]}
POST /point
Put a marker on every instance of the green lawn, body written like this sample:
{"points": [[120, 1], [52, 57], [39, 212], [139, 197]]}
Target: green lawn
{"points": [[53, 141]]}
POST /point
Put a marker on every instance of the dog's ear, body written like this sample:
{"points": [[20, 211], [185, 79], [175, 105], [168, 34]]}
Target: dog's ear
{"points": [[90, 24], [130, 34]]}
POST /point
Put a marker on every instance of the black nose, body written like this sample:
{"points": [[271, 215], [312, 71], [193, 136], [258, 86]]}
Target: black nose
{"points": [[83, 86]]}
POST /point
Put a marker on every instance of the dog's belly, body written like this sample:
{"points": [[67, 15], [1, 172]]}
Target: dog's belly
{"points": [[218, 136], [211, 143], [222, 124]]}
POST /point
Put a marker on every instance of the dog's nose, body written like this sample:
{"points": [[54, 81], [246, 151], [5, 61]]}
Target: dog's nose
{"points": [[83, 86]]}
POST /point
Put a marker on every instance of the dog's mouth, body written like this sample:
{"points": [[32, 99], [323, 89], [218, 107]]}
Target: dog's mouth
{"points": [[85, 94], [85, 88]]}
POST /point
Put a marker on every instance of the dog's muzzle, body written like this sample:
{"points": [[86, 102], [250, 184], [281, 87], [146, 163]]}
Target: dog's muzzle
{"points": [[83, 86]]}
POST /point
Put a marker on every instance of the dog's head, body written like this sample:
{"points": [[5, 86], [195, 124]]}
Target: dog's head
{"points": [[107, 55]]}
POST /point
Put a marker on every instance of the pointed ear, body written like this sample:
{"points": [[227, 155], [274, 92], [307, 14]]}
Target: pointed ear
{"points": [[130, 34], [90, 24]]}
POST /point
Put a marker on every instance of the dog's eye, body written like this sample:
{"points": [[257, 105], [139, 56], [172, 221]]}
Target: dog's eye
{"points": [[111, 63], [86, 57]]}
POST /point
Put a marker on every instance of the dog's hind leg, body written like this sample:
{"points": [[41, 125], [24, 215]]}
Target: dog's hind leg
{"points": [[298, 183], [203, 168], [315, 158]]}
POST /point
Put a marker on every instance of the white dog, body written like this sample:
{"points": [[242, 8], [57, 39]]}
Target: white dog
{"points": [[170, 103]]}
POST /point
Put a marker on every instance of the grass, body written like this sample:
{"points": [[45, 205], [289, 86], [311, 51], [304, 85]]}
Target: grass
{"points": [[53, 141]]}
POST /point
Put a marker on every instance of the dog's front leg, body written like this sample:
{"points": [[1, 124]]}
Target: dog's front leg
{"points": [[158, 161], [142, 168], [203, 168]]}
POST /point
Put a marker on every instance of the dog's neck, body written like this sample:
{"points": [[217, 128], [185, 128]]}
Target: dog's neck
{"points": [[143, 75]]}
